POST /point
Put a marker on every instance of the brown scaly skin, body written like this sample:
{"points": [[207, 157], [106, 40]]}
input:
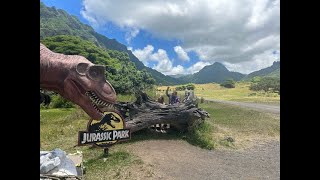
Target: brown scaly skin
{"points": [[73, 76]]}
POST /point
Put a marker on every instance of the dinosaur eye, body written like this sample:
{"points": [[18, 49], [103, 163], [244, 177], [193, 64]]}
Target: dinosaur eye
{"points": [[97, 72], [82, 68]]}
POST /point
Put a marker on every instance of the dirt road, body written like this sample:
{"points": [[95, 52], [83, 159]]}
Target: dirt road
{"points": [[176, 159], [260, 107]]}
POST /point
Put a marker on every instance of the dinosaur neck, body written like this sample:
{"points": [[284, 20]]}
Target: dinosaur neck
{"points": [[53, 69]]}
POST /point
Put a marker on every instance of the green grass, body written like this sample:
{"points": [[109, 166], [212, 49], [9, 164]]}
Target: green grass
{"points": [[201, 136], [100, 167], [60, 125], [241, 124], [125, 98]]}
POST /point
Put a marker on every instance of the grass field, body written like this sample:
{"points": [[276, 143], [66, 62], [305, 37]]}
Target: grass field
{"points": [[240, 93], [59, 129]]}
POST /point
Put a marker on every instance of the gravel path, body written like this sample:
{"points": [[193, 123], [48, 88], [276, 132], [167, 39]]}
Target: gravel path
{"points": [[260, 107], [176, 159]]}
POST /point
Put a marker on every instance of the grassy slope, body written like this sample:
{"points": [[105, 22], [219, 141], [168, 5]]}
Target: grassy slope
{"points": [[240, 93]]}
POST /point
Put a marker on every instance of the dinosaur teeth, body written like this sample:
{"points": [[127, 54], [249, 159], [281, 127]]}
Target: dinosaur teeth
{"points": [[97, 101]]}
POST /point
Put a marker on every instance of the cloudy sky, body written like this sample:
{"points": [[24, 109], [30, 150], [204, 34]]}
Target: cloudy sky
{"points": [[183, 36]]}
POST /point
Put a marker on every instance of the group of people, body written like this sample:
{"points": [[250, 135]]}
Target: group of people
{"points": [[174, 98]]}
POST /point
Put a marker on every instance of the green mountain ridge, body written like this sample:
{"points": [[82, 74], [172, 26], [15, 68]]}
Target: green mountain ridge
{"points": [[216, 72], [271, 71], [55, 22]]}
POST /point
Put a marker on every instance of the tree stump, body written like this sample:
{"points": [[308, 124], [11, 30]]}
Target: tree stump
{"points": [[145, 112]]}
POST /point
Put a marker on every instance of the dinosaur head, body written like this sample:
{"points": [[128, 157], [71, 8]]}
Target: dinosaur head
{"points": [[86, 85], [77, 79]]}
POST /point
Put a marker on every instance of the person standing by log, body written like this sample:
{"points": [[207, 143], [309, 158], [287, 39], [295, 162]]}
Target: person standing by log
{"points": [[161, 99]]}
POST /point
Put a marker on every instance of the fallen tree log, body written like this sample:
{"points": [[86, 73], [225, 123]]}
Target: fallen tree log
{"points": [[145, 112]]}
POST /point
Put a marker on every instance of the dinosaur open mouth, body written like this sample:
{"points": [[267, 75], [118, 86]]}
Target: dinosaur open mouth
{"points": [[98, 103]]}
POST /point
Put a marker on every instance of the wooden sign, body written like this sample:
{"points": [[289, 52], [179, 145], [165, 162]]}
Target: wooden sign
{"points": [[105, 132]]}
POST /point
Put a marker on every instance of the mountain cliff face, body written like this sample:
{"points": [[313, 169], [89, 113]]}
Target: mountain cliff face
{"points": [[216, 72], [58, 22]]}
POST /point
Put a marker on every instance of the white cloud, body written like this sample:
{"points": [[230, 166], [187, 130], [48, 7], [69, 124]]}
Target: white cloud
{"points": [[131, 34], [164, 66], [232, 31], [178, 70], [196, 67], [163, 63], [143, 54], [160, 55], [181, 53]]}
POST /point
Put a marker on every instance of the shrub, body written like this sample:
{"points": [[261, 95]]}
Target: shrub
{"points": [[189, 86], [256, 79], [267, 84], [59, 102], [230, 83]]}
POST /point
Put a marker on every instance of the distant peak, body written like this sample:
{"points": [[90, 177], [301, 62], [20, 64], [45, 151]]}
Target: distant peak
{"points": [[216, 66], [218, 63]]}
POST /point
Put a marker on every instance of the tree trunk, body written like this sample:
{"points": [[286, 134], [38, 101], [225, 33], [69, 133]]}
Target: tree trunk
{"points": [[145, 112]]}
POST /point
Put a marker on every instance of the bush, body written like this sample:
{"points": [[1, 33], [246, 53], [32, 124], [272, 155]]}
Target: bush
{"points": [[59, 102], [230, 83], [256, 79], [180, 88], [189, 86], [202, 100], [267, 84]]}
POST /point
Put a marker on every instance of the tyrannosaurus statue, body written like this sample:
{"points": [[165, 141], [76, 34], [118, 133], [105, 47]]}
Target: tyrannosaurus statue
{"points": [[78, 80]]}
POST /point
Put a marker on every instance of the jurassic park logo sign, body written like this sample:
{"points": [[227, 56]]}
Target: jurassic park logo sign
{"points": [[105, 132]]}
